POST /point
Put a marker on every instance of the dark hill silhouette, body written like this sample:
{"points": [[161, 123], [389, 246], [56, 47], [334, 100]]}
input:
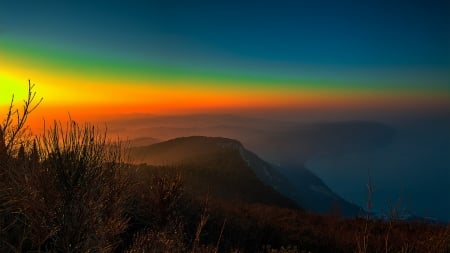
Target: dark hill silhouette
{"points": [[225, 168], [210, 166]]}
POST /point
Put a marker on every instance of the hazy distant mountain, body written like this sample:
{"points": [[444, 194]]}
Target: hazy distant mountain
{"points": [[143, 141], [229, 170], [284, 141], [169, 127], [299, 143]]}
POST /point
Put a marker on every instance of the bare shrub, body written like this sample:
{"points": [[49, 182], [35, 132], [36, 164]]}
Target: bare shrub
{"points": [[15, 137], [77, 194], [61, 192]]}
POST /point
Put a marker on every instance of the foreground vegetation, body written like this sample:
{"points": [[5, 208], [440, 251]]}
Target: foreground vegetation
{"points": [[72, 190]]}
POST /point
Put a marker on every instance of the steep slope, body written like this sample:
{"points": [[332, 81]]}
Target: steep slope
{"points": [[224, 167], [211, 166], [301, 185]]}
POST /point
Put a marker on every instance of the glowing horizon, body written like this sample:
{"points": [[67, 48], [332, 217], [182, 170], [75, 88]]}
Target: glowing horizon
{"points": [[63, 85]]}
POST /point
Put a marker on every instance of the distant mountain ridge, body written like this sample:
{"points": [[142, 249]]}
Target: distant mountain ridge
{"points": [[223, 155]]}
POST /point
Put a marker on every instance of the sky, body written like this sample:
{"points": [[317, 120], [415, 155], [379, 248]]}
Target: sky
{"points": [[93, 58]]}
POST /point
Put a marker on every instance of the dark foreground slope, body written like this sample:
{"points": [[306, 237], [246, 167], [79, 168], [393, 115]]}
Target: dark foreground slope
{"points": [[225, 168]]}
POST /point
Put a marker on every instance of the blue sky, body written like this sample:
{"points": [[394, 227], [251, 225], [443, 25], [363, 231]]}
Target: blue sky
{"points": [[377, 34]]}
